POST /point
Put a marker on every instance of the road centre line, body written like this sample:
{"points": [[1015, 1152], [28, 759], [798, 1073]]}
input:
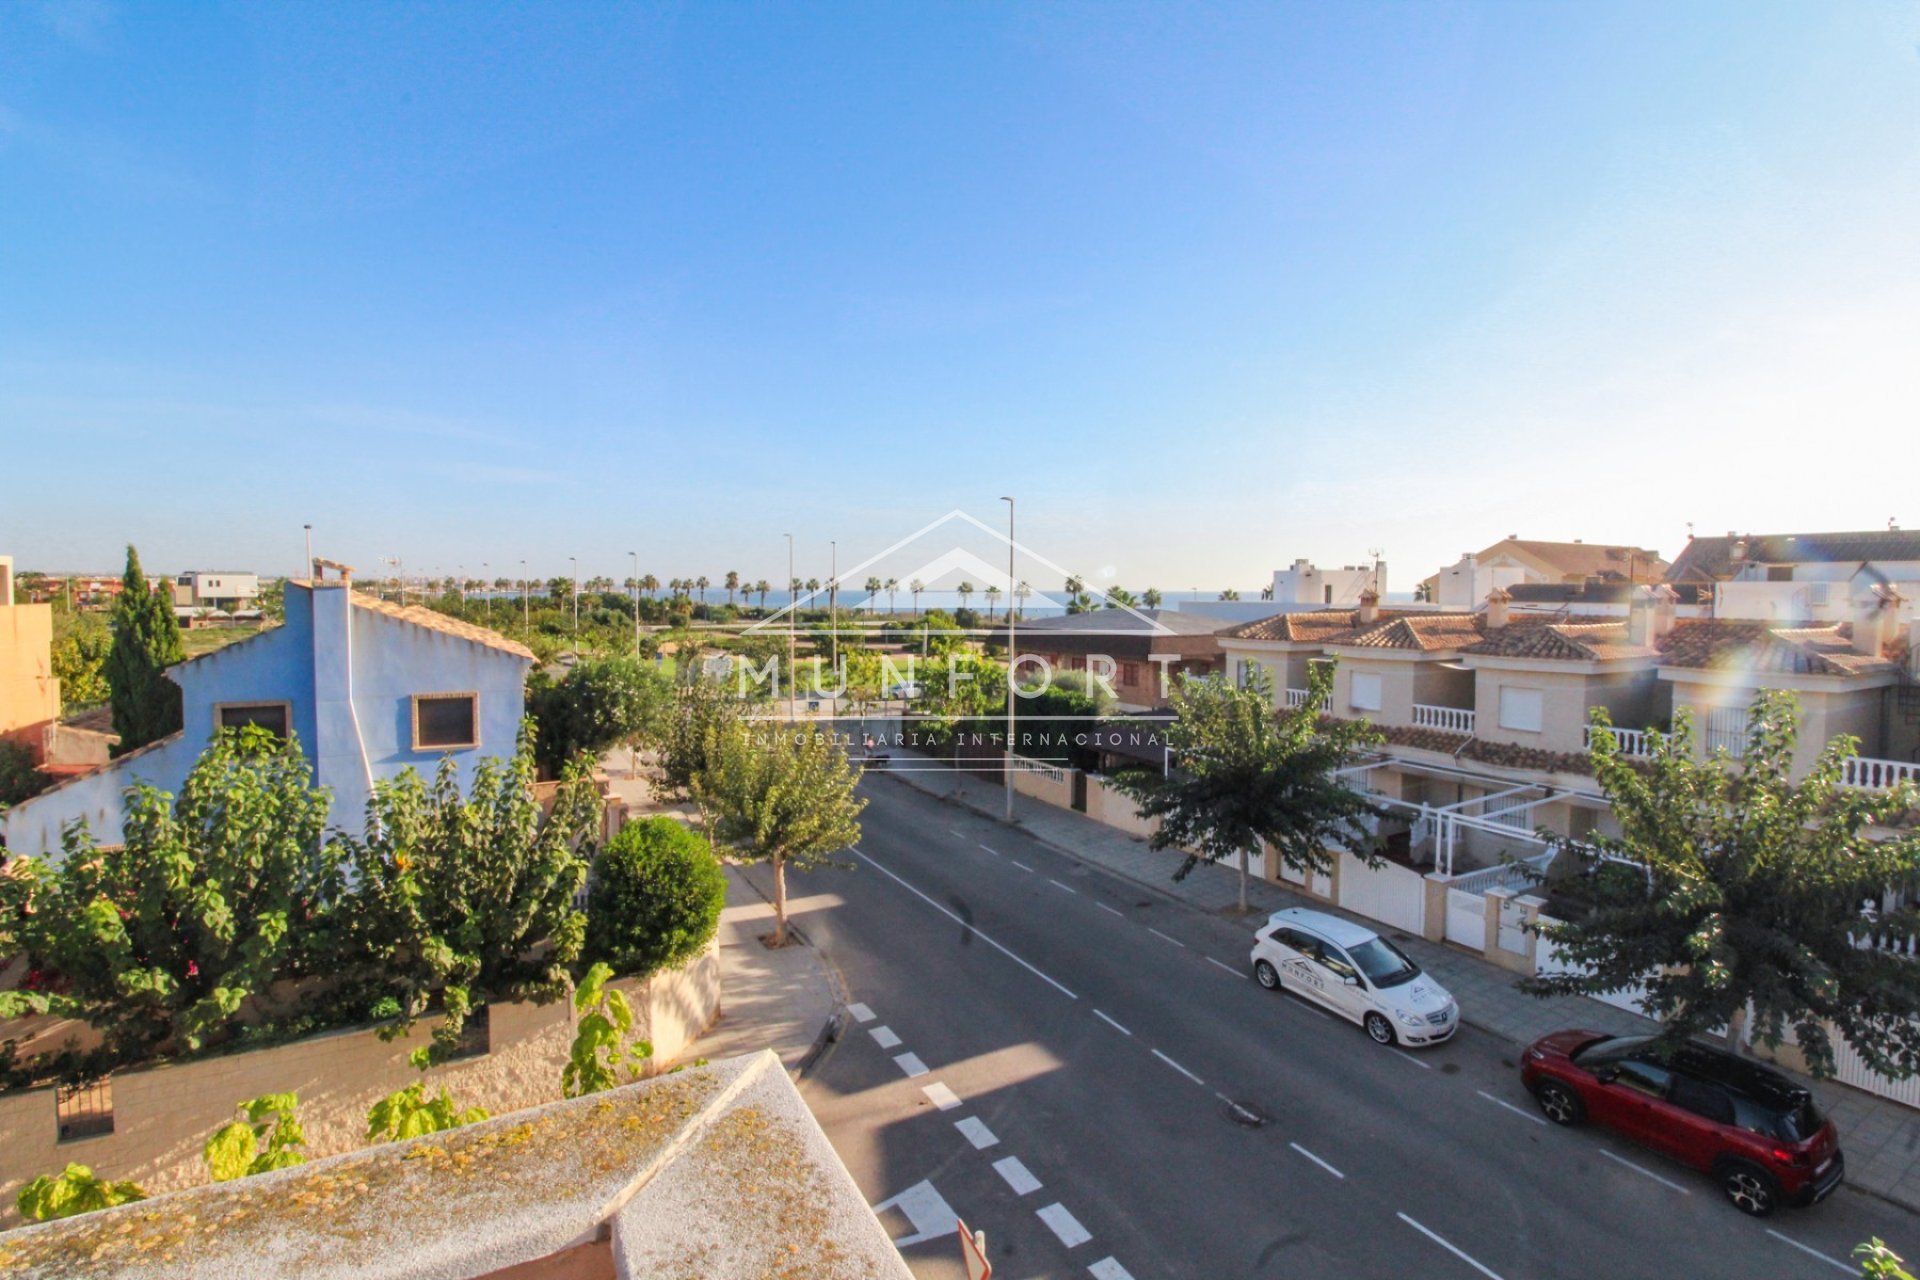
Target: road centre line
{"points": [[1023, 866], [995, 852], [1052, 982], [1317, 1160], [1110, 1022], [1104, 907], [1456, 1252], [1424, 1066], [1229, 968], [1056, 884], [1647, 1173], [1177, 1067], [1175, 941], [1500, 1102], [1830, 1261]]}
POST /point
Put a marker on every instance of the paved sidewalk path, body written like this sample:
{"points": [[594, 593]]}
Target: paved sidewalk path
{"points": [[1881, 1138]]}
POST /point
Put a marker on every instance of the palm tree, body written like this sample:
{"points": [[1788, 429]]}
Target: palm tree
{"points": [[763, 586], [733, 585], [1118, 596], [793, 593], [1150, 597], [915, 588], [1229, 594], [649, 584], [1074, 585], [993, 594], [813, 586], [701, 582], [873, 590], [1266, 592], [1023, 592], [893, 589], [966, 592]]}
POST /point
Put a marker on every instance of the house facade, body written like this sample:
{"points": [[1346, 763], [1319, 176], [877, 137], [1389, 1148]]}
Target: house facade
{"points": [[1800, 577], [223, 589], [1513, 562], [369, 688], [1138, 652], [29, 693]]}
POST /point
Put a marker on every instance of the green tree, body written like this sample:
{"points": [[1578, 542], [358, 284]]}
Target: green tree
{"points": [[408, 1113], [267, 1136], [874, 587], [1118, 597], [1230, 594], [74, 1191], [19, 779], [209, 900], [656, 898], [602, 1053], [733, 583], [787, 798], [1877, 1262], [701, 710], [146, 641], [1735, 892], [81, 643], [468, 897], [1150, 597], [599, 704], [1245, 776]]}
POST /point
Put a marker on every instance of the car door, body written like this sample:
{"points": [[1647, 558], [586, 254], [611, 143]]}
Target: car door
{"points": [[1346, 989], [1691, 1123], [1630, 1098]]}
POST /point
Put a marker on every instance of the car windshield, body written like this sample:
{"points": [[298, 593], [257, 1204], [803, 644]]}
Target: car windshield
{"points": [[1597, 1053], [1383, 963]]}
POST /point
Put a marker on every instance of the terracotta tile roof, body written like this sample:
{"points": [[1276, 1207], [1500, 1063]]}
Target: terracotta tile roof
{"points": [[1574, 641], [1725, 644], [433, 620], [1423, 632], [1311, 626], [1709, 558]]}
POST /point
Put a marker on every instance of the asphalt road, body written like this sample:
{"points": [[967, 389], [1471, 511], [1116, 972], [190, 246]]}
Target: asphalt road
{"points": [[1084, 1069]]}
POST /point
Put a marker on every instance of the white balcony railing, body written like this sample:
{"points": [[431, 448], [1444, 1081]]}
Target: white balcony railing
{"points": [[1632, 742], [1878, 775], [1451, 719], [1297, 698]]}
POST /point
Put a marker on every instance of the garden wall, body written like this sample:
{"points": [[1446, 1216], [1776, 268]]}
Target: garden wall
{"points": [[162, 1115]]}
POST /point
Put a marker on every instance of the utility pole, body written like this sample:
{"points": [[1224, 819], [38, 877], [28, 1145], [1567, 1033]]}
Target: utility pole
{"points": [[1012, 656], [487, 587], [575, 562], [309, 568], [793, 709], [833, 607], [636, 602]]}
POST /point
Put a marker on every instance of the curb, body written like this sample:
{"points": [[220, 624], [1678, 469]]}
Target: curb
{"points": [[830, 1030]]}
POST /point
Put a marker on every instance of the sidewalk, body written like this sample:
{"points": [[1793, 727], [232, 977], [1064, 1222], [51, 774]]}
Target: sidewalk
{"points": [[1881, 1138]]}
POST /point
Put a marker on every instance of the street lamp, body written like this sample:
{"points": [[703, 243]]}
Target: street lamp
{"points": [[833, 606], [634, 587], [486, 587], [575, 562], [526, 617], [793, 710], [1013, 655]]}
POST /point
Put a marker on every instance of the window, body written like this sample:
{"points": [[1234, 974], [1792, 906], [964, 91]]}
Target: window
{"points": [[1643, 1077], [84, 1111], [274, 717], [1364, 695], [1708, 1101], [1129, 673], [1334, 960], [1328, 598], [445, 720], [1521, 709], [1779, 573]]}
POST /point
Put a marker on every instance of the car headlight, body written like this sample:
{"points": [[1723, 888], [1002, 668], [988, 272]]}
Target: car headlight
{"points": [[1412, 1019]]}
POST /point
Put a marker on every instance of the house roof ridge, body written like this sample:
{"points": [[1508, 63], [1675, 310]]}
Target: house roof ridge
{"points": [[434, 620]]}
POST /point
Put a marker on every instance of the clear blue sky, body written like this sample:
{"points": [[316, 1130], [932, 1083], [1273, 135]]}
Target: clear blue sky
{"points": [[1207, 287]]}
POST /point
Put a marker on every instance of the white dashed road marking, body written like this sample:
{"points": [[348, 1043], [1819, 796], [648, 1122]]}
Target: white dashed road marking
{"points": [[1466, 1258], [1163, 937], [1056, 985], [1064, 1225], [1109, 1269], [885, 1037], [1177, 1067], [911, 1064], [1831, 1261], [1017, 1175], [1056, 884], [1110, 1022], [940, 1096], [994, 852], [975, 1130], [1104, 907], [1415, 1061], [1023, 866], [1229, 968], [860, 1013], [1317, 1160], [1646, 1173], [1500, 1102], [928, 1211]]}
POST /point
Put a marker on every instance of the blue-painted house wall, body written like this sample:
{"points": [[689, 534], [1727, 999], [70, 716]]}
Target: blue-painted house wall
{"points": [[349, 673]]}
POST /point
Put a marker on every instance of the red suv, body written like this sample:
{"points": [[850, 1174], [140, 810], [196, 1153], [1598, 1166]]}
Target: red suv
{"points": [[1755, 1131]]}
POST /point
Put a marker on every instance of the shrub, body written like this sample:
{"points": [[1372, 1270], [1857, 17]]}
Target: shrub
{"points": [[656, 898], [75, 1190]]}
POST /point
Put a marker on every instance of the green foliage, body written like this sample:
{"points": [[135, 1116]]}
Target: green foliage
{"points": [[786, 796], [1877, 1262], [19, 780], [1245, 777], [656, 898], [74, 1191], [81, 643], [601, 1053], [702, 712], [267, 1136], [467, 897], [409, 1113], [211, 898], [601, 703], [1748, 895], [146, 641]]}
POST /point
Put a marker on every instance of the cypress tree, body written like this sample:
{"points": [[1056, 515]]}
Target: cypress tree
{"points": [[146, 641]]}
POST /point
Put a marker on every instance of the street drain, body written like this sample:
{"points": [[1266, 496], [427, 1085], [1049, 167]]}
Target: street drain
{"points": [[1244, 1114]]}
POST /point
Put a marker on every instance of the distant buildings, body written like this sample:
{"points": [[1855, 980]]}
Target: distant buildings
{"points": [[202, 591], [1811, 577], [1512, 562]]}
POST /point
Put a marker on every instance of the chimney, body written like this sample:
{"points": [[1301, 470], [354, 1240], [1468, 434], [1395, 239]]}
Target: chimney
{"points": [[1369, 611], [1640, 616], [1660, 617], [1874, 626], [1497, 602]]}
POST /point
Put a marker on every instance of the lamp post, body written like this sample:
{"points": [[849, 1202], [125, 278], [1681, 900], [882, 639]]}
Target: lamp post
{"points": [[486, 586], [575, 562], [634, 586], [793, 709], [1012, 657], [526, 616], [833, 607]]}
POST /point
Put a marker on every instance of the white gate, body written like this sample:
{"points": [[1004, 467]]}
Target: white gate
{"points": [[1546, 961], [1467, 920], [1850, 1068], [1322, 886], [1390, 894]]}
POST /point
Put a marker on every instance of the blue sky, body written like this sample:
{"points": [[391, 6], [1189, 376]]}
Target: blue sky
{"points": [[1208, 288]]}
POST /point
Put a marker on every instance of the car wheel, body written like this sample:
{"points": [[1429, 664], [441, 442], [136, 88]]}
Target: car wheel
{"points": [[1379, 1028], [1266, 975], [1559, 1103], [1751, 1188]]}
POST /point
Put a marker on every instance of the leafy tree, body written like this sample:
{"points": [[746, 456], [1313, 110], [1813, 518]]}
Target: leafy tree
{"points": [[1247, 776], [408, 1113], [1877, 1262], [211, 898], [788, 800], [600, 703], [601, 1052], [74, 1191], [468, 897], [146, 641], [1742, 890], [19, 780], [656, 898], [1118, 597], [81, 643], [267, 1136], [1230, 594]]}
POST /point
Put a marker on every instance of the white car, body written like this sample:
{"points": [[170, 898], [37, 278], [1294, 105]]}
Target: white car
{"points": [[1356, 973], [904, 689]]}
